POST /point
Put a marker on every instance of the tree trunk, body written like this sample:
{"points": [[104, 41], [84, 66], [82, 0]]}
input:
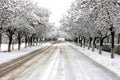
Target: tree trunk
{"points": [[118, 38], [19, 42], [9, 44], [112, 44], [26, 41], [84, 42], [0, 41], [29, 42], [93, 48], [101, 44], [100, 50], [94, 44], [76, 40], [80, 42], [32, 41]]}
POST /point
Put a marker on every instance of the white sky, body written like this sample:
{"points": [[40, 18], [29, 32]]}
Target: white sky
{"points": [[57, 7]]}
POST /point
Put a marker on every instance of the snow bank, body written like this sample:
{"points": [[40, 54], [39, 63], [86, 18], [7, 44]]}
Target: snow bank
{"points": [[7, 56], [104, 59]]}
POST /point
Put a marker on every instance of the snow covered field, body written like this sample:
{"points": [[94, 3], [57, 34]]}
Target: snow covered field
{"points": [[7, 56], [104, 59]]}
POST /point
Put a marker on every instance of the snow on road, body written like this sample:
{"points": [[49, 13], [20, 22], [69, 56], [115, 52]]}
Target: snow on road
{"points": [[104, 59], [65, 63], [84, 68]]}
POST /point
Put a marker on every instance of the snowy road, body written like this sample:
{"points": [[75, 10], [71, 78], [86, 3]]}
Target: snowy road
{"points": [[62, 62]]}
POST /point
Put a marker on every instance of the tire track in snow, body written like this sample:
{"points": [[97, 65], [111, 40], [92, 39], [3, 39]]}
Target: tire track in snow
{"points": [[40, 66], [69, 74], [28, 68], [51, 67]]}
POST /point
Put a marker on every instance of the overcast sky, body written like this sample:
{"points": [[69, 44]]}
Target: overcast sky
{"points": [[57, 7]]}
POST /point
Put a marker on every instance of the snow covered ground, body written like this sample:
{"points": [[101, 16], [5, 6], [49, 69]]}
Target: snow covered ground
{"points": [[65, 63], [7, 56], [4, 47], [104, 59]]}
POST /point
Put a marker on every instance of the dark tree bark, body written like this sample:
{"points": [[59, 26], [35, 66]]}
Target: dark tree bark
{"points": [[76, 39], [84, 41], [10, 43], [112, 34], [112, 44], [19, 42], [29, 42], [80, 41], [10, 33], [101, 44], [118, 38], [0, 41], [20, 35], [1, 29]]}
